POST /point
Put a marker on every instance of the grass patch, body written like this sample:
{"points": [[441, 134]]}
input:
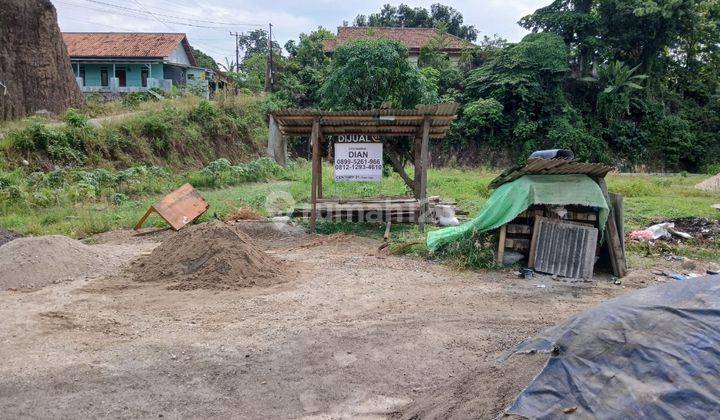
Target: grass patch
{"points": [[79, 203]]}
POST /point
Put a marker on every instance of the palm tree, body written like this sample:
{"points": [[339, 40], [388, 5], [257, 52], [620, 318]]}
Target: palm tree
{"points": [[620, 85]]}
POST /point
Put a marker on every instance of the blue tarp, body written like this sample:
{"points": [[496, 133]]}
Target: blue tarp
{"points": [[651, 354]]}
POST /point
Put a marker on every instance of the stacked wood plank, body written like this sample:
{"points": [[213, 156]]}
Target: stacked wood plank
{"points": [[518, 234], [373, 210]]}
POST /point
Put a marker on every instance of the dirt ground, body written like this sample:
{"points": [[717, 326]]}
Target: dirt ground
{"points": [[351, 334]]}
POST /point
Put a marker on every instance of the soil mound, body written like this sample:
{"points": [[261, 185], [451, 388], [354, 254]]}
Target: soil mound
{"points": [[7, 236], [213, 255], [711, 184], [38, 261]]}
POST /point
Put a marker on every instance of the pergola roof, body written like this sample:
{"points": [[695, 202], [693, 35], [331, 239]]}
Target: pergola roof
{"points": [[376, 122]]}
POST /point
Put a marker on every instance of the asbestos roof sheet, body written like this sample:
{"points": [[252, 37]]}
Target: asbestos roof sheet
{"points": [[402, 122], [551, 167]]}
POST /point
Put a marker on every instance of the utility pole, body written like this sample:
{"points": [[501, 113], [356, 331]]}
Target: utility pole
{"points": [[237, 56], [269, 72]]}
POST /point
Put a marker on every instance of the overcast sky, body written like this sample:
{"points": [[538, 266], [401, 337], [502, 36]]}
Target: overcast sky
{"points": [[208, 22]]}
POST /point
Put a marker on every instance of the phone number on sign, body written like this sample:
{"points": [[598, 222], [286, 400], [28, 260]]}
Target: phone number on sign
{"points": [[357, 167]]}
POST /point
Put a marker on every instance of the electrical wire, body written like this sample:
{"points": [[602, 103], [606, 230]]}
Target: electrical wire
{"points": [[172, 16], [139, 15]]}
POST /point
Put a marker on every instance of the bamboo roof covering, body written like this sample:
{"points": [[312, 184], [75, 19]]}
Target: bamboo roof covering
{"points": [[375, 122], [551, 167]]}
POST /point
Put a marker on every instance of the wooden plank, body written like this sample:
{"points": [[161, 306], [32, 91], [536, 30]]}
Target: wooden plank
{"points": [[617, 255], [315, 141], [517, 244], [386, 236], [319, 164], [533, 242], [423, 174], [519, 229], [501, 245], [179, 208], [618, 203]]}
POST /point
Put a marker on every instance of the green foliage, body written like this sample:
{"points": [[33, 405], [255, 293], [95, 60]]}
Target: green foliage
{"points": [[364, 74], [517, 101], [133, 99], [473, 251], [438, 16], [222, 173], [204, 60]]}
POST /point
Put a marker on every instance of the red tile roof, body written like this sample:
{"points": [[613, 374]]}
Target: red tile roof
{"points": [[413, 38], [125, 44]]}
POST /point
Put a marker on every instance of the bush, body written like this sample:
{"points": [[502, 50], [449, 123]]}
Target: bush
{"points": [[472, 251], [75, 119]]}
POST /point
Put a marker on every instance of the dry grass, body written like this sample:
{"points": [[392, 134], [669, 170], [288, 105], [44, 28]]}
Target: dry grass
{"points": [[243, 213]]}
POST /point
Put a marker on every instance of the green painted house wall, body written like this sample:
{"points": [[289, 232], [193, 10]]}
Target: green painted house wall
{"points": [[133, 73]]}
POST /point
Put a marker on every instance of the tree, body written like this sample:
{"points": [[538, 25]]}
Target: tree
{"points": [[575, 22], [364, 74], [619, 85], [204, 60], [306, 69], [256, 42], [439, 16], [527, 79]]}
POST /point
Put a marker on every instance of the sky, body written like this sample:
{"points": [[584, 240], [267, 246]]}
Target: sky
{"points": [[208, 23]]}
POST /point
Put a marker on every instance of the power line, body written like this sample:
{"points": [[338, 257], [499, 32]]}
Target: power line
{"points": [[153, 15], [174, 17], [139, 15]]}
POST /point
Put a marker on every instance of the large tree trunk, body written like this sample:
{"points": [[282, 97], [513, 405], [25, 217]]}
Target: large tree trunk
{"points": [[35, 70]]}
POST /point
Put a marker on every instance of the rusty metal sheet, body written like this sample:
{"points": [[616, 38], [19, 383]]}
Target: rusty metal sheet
{"points": [[178, 208]]}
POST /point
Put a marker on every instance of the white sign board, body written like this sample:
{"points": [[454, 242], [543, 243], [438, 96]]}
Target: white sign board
{"points": [[357, 162]]}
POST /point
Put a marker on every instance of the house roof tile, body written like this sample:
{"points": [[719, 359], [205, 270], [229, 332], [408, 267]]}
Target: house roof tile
{"points": [[413, 38], [125, 44]]}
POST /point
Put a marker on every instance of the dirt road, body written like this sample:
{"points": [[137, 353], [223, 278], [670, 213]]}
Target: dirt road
{"points": [[351, 334]]}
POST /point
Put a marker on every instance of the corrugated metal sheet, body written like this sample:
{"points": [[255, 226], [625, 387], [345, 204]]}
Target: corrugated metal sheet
{"points": [[565, 249], [551, 167], [376, 121]]}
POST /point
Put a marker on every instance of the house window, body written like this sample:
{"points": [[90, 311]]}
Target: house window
{"points": [[104, 81], [81, 74], [191, 76]]}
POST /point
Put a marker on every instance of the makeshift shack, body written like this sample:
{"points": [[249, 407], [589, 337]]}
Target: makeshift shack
{"points": [[359, 140], [554, 214]]}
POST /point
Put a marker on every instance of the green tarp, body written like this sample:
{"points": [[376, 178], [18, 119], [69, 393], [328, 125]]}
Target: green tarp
{"points": [[511, 199]]}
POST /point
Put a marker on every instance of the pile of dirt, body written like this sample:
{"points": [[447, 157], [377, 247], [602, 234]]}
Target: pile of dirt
{"points": [[7, 236], [711, 184], [213, 255], [38, 261]]}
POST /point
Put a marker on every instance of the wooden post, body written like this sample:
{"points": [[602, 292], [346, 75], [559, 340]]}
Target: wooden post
{"points": [[423, 172], [319, 164], [501, 245], [533, 242], [417, 145], [619, 208], [315, 142], [617, 255]]}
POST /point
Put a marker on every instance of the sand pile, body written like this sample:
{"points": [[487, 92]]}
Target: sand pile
{"points": [[39, 261], [213, 255], [711, 184]]}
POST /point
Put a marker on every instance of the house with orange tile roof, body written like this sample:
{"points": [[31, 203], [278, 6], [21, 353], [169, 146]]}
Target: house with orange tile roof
{"points": [[116, 62], [413, 38]]}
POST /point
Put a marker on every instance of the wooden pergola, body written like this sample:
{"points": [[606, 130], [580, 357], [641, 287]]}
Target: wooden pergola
{"points": [[423, 123]]}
